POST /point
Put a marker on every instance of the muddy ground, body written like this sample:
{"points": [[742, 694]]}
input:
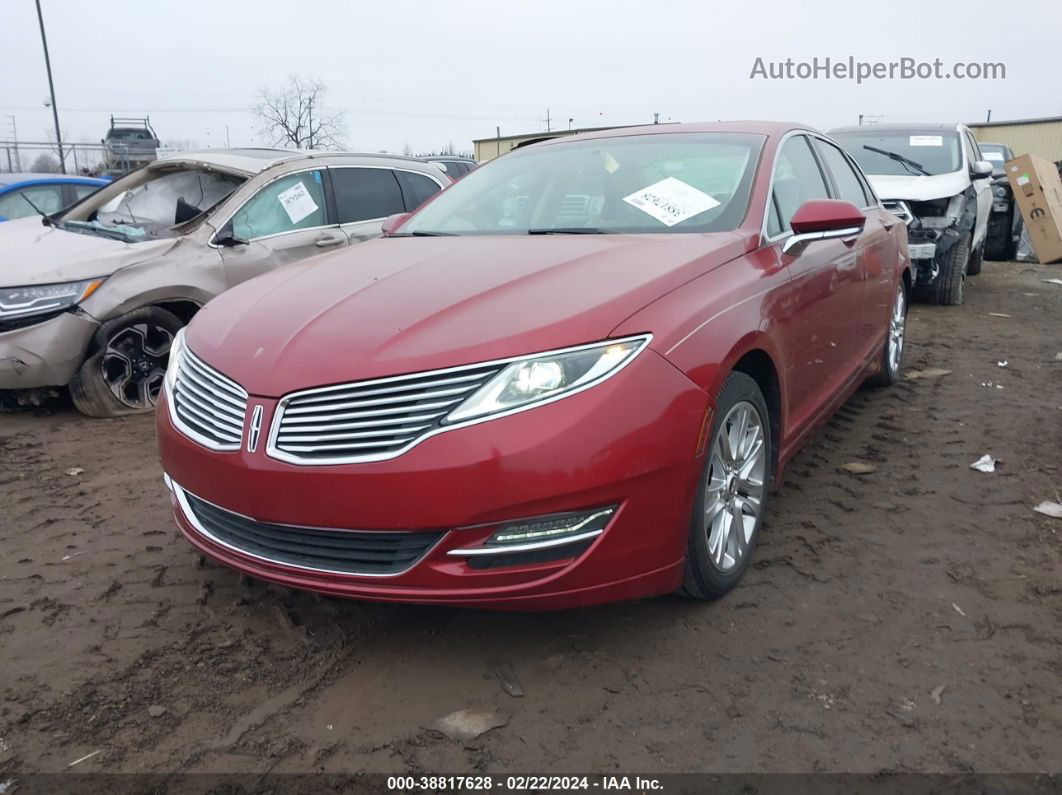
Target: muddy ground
{"points": [[909, 619]]}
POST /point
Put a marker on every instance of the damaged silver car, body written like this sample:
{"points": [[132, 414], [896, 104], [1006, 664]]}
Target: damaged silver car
{"points": [[935, 179], [91, 297]]}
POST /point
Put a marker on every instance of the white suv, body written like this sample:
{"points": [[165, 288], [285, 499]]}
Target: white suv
{"points": [[934, 177]]}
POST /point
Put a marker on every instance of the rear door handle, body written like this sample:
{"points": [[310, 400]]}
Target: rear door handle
{"points": [[324, 242]]}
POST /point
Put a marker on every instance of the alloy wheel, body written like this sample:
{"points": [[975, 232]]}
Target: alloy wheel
{"points": [[134, 364], [734, 493], [897, 326]]}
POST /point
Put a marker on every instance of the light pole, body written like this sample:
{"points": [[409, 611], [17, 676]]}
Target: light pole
{"points": [[51, 90]]}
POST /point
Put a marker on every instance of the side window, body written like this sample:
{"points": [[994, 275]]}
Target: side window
{"points": [[48, 198], [797, 179], [284, 205], [848, 184], [416, 188], [363, 194], [81, 191]]}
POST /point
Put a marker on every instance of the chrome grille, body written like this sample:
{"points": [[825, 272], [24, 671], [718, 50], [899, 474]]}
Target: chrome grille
{"points": [[369, 420], [207, 406]]}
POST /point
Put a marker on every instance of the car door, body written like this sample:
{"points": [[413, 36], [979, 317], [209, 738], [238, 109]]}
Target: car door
{"points": [[821, 330], [365, 196], [879, 249], [287, 219], [982, 188]]}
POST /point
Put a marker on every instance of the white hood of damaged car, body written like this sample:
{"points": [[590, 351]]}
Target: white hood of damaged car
{"points": [[31, 253], [920, 188]]}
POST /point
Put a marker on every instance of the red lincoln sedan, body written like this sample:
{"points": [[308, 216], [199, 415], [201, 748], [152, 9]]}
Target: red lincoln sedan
{"points": [[572, 377]]}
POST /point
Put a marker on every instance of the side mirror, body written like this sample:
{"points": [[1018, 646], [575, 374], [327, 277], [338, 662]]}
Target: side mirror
{"points": [[981, 169], [823, 219], [392, 222], [226, 238]]}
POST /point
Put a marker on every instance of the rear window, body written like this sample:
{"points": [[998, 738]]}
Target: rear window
{"points": [[364, 194]]}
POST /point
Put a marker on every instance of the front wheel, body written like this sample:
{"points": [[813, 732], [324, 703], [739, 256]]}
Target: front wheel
{"points": [[892, 353], [732, 492], [125, 372]]}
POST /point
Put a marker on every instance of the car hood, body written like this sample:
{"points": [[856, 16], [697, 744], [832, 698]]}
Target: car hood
{"points": [[919, 189], [402, 305], [36, 254]]}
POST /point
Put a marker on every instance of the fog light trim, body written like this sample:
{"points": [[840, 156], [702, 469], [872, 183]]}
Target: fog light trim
{"points": [[505, 541]]}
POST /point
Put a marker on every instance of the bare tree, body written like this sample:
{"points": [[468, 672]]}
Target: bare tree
{"points": [[296, 116], [45, 163]]}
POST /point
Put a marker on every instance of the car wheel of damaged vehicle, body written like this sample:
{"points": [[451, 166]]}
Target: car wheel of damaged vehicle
{"points": [[892, 352], [732, 491], [949, 289], [126, 367], [974, 266]]}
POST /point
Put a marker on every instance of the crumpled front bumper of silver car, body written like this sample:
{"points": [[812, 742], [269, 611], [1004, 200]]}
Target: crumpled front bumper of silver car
{"points": [[46, 353]]}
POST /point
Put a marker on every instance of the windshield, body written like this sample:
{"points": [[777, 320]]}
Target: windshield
{"points": [[154, 207], [937, 152], [668, 182]]}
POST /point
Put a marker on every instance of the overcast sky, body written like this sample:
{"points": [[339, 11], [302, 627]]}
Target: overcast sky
{"points": [[430, 73]]}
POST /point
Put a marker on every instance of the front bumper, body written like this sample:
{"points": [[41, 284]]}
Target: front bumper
{"points": [[628, 442], [45, 354]]}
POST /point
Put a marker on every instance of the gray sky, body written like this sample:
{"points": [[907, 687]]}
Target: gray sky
{"points": [[428, 73]]}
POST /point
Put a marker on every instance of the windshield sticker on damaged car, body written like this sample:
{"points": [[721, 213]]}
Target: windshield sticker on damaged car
{"points": [[927, 140], [297, 202], [671, 201]]}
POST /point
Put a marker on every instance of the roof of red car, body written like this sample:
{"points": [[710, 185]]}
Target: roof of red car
{"points": [[753, 127]]}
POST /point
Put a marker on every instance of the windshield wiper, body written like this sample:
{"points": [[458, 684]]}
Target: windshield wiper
{"points": [[904, 161], [566, 230], [90, 229], [46, 219], [426, 234]]}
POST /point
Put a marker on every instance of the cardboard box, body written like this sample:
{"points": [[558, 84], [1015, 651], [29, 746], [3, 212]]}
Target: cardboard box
{"points": [[1038, 192]]}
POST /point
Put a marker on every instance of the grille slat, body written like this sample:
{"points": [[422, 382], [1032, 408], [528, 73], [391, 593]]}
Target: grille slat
{"points": [[324, 416], [356, 403], [207, 404], [370, 420], [344, 394], [336, 551]]}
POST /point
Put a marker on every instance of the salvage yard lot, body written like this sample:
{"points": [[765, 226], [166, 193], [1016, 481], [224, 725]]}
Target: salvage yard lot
{"points": [[906, 619]]}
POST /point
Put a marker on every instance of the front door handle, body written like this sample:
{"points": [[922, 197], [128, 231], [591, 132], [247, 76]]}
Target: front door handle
{"points": [[324, 242]]}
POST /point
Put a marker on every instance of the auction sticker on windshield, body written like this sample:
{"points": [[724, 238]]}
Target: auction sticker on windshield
{"points": [[297, 202], [671, 201], [927, 140]]}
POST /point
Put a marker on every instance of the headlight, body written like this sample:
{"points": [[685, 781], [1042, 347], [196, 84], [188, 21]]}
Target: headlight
{"points": [[176, 354], [1000, 192], [548, 376], [44, 298]]}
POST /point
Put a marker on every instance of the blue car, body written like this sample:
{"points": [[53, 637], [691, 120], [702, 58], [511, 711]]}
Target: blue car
{"points": [[49, 192]]}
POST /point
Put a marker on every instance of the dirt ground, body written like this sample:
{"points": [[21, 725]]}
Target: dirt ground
{"points": [[909, 619]]}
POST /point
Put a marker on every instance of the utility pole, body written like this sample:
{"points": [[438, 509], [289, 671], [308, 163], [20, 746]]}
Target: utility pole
{"points": [[14, 137], [51, 90], [860, 119], [310, 124], [989, 115], [548, 120], [227, 144], [656, 118]]}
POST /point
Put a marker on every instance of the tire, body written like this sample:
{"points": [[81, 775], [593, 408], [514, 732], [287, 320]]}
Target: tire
{"points": [[892, 352], [997, 238], [950, 285], [715, 557], [127, 364], [973, 267]]}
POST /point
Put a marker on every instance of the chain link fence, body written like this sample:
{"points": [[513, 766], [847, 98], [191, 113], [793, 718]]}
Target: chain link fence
{"points": [[78, 158]]}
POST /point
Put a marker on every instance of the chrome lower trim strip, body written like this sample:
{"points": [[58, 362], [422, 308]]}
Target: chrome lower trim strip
{"points": [[191, 518], [529, 547]]}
